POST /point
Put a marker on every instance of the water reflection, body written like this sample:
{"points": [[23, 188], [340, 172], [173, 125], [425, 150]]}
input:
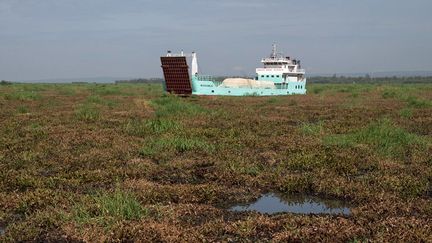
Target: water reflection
{"points": [[273, 203]]}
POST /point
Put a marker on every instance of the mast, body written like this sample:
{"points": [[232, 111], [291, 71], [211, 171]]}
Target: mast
{"points": [[274, 53], [194, 64]]}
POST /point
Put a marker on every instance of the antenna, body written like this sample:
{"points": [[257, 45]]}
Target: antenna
{"points": [[274, 53]]}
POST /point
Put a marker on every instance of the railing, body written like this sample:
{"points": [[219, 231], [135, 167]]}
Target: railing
{"points": [[205, 78], [217, 83], [269, 69], [208, 78], [279, 59]]}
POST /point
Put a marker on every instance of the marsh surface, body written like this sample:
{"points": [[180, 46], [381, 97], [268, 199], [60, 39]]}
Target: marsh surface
{"points": [[124, 162]]}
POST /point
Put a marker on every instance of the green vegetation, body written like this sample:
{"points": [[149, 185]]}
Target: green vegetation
{"points": [[66, 90], [170, 105], [317, 89], [106, 89], [87, 112], [22, 109], [22, 95], [410, 99], [141, 128], [390, 93], [95, 99], [162, 125], [107, 208], [124, 162], [273, 100], [386, 138], [312, 129], [418, 103], [406, 112], [367, 79]]}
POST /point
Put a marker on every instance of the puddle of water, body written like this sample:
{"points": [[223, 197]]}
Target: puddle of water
{"points": [[273, 203]]}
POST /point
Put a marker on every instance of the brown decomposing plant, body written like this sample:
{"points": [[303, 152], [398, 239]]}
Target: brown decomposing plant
{"points": [[106, 162]]}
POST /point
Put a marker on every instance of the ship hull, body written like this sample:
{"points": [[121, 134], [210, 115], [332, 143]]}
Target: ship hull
{"points": [[204, 86]]}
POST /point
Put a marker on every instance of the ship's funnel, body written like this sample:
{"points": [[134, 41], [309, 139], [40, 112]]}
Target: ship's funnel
{"points": [[194, 64]]}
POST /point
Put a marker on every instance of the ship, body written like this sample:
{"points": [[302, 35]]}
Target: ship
{"points": [[280, 75]]}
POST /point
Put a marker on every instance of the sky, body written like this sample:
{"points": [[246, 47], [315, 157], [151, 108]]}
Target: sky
{"points": [[47, 39]]}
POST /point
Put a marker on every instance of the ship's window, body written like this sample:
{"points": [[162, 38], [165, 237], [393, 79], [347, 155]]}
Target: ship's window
{"points": [[267, 76], [212, 91], [277, 76], [262, 76], [272, 76], [229, 91]]}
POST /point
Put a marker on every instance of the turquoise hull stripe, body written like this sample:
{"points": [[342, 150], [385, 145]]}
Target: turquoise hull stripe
{"points": [[211, 87], [274, 79]]}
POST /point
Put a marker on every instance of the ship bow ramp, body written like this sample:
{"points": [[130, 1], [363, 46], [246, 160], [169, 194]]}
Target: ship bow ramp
{"points": [[176, 74]]}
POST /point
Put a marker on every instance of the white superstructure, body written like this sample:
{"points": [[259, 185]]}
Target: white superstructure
{"points": [[280, 69]]}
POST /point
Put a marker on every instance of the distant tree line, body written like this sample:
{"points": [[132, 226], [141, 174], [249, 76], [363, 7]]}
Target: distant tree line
{"points": [[369, 79], [4, 82], [80, 82], [140, 80], [314, 79]]}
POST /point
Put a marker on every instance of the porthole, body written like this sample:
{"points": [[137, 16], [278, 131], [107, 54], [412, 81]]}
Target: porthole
{"points": [[212, 91]]}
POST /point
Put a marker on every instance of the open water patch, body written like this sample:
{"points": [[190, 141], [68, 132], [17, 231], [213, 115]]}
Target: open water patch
{"points": [[273, 203]]}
